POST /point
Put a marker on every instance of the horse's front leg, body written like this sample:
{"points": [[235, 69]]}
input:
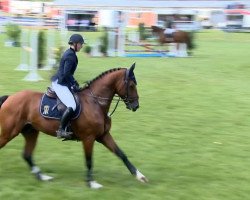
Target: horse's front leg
{"points": [[108, 141], [88, 144]]}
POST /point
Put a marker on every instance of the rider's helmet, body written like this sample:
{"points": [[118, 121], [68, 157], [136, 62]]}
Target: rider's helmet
{"points": [[76, 38]]}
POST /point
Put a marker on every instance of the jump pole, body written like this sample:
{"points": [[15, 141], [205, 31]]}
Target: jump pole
{"points": [[50, 50], [111, 43], [33, 75], [24, 53]]}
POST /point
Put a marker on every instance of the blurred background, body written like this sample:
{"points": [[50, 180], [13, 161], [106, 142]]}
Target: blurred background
{"points": [[190, 137], [124, 27]]}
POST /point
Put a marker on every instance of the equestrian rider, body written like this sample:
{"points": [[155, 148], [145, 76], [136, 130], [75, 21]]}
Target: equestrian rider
{"points": [[170, 29], [63, 82]]}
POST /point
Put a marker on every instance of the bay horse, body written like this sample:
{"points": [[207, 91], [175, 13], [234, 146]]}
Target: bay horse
{"points": [[19, 113], [178, 37]]}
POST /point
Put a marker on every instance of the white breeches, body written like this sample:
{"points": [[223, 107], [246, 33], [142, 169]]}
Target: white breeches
{"points": [[64, 95], [169, 31]]}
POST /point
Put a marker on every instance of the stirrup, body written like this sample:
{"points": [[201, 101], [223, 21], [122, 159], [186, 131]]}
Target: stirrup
{"points": [[62, 134]]}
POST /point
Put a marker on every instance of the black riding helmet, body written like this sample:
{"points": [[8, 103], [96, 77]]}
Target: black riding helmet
{"points": [[76, 38]]}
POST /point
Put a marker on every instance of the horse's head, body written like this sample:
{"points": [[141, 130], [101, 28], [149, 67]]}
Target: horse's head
{"points": [[156, 29], [128, 92], [158, 32]]}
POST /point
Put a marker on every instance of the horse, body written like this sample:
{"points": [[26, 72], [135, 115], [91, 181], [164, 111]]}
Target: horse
{"points": [[19, 113], [178, 37]]}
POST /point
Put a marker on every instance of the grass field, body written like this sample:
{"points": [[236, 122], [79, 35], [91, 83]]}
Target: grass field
{"points": [[190, 136]]}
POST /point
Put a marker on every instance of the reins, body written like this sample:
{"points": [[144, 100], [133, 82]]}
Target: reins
{"points": [[106, 99], [116, 105]]}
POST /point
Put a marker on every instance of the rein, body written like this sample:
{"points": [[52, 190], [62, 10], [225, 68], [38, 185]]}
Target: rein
{"points": [[116, 105], [106, 99]]}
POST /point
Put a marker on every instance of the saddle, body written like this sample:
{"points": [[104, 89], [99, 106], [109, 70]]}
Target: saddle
{"points": [[51, 106]]}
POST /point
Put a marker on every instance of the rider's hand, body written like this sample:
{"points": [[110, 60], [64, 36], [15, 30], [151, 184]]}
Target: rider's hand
{"points": [[76, 83], [75, 88]]}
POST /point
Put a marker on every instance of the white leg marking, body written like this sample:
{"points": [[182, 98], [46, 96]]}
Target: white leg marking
{"points": [[140, 177], [95, 185], [43, 177], [35, 170]]}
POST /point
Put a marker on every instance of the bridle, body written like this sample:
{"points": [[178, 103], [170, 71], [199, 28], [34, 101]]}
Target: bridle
{"points": [[126, 98]]}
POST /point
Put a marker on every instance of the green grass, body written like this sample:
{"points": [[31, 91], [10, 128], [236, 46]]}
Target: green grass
{"points": [[190, 136]]}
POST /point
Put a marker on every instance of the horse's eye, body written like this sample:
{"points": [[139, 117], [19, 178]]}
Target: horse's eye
{"points": [[131, 86]]}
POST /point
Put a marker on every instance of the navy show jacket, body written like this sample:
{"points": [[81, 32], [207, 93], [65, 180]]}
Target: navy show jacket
{"points": [[66, 70]]}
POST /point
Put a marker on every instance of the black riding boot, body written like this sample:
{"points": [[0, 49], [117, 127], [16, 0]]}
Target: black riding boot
{"points": [[62, 133]]}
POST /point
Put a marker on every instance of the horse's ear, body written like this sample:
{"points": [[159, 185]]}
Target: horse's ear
{"points": [[132, 68], [131, 74]]}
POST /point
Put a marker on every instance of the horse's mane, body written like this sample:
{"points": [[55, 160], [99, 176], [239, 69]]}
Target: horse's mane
{"points": [[88, 83], [3, 99]]}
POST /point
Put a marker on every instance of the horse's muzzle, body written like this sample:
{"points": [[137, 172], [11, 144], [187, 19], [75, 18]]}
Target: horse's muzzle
{"points": [[133, 106]]}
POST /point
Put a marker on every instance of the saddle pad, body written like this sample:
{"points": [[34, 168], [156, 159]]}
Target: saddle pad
{"points": [[49, 108]]}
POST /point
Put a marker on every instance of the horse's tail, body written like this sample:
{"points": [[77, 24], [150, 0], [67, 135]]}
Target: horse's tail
{"points": [[3, 99]]}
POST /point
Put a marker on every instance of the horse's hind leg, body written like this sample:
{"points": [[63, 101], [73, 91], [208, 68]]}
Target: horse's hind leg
{"points": [[7, 132], [108, 141], [30, 136]]}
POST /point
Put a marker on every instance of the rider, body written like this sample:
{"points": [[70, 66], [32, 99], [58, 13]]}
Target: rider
{"points": [[170, 29], [63, 82]]}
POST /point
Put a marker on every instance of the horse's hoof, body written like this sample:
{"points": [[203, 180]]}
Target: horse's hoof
{"points": [[41, 177], [44, 177], [140, 177], [95, 185]]}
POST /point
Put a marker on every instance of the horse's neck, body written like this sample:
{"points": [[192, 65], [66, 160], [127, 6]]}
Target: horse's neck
{"points": [[107, 85], [104, 90]]}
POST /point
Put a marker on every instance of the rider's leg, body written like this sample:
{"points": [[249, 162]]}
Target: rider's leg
{"points": [[62, 133], [67, 99]]}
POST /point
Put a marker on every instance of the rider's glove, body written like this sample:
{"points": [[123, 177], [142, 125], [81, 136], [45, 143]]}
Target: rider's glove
{"points": [[75, 88]]}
